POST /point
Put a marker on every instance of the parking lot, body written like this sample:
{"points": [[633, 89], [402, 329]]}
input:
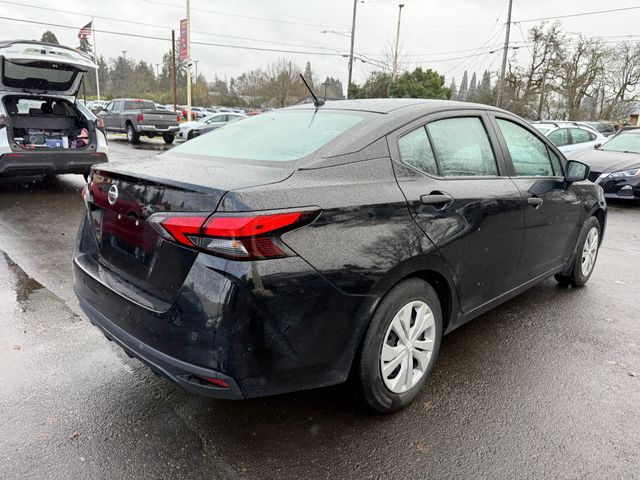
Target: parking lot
{"points": [[545, 386]]}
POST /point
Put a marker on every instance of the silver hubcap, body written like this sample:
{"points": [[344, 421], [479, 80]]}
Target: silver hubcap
{"points": [[589, 251], [408, 347]]}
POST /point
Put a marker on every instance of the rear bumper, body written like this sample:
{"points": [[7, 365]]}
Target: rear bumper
{"points": [[265, 327], [54, 162], [155, 129], [182, 373]]}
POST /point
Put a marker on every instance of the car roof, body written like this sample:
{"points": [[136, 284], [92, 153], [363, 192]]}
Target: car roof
{"points": [[390, 105]]}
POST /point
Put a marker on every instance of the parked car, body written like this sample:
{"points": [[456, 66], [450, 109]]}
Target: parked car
{"points": [[210, 122], [605, 128], [615, 166], [137, 117], [43, 128], [570, 137], [304, 246]]}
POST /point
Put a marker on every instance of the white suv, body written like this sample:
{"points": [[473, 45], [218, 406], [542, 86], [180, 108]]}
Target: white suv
{"points": [[43, 128], [570, 137]]}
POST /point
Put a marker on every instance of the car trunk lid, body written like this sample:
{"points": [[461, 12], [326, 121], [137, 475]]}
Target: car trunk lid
{"points": [[122, 197], [38, 67]]}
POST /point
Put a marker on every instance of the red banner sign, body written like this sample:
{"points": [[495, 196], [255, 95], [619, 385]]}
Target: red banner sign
{"points": [[183, 39]]}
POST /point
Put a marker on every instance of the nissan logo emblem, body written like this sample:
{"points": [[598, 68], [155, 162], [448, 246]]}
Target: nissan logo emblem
{"points": [[112, 196]]}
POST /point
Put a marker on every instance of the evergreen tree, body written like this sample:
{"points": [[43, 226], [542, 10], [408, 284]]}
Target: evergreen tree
{"points": [[472, 94], [49, 37], [453, 89], [462, 93], [485, 95], [308, 74]]}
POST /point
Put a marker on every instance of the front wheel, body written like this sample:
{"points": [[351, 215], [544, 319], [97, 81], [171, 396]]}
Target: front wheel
{"points": [[132, 135], [168, 138], [400, 347], [587, 253]]}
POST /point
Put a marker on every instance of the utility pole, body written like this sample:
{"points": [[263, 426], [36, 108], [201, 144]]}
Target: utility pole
{"points": [[353, 37], [196, 62], [188, 60], [173, 68], [395, 56], [505, 53], [126, 75]]}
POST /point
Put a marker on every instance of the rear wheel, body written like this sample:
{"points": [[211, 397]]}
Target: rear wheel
{"points": [[190, 135], [168, 138], [400, 347], [132, 135], [585, 261]]}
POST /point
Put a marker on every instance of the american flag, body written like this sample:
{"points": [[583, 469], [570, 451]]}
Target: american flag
{"points": [[85, 31]]}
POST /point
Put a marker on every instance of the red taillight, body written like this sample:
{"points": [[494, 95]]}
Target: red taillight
{"points": [[246, 236], [140, 118], [100, 123], [178, 118]]}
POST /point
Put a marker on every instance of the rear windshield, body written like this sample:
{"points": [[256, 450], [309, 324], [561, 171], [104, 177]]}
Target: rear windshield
{"points": [[541, 129], [139, 105], [277, 136], [41, 77]]}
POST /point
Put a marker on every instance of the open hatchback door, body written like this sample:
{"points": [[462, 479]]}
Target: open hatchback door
{"points": [[42, 68]]}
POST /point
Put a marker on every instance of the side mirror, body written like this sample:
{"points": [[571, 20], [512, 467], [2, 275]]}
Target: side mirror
{"points": [[576, 171]]}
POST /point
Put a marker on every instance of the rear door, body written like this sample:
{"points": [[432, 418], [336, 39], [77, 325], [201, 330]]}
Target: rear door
{"points": [[454, 178], [37, 67], [553, 213], [581, 140]]}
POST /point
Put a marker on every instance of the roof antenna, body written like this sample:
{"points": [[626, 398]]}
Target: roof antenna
{"points": [[316, 101]]}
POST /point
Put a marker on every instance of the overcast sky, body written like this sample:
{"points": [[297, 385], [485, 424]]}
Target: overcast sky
{"points": [[434, 34]]}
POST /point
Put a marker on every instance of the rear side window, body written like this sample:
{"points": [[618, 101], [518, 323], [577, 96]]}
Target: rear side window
{"points": [[276, 136], [462, 147], [529, 154], [415, 150], [582, 136], [560, 137]]}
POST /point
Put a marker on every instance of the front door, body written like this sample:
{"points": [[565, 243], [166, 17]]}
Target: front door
{"points": [[553, 214], [452, 176]]}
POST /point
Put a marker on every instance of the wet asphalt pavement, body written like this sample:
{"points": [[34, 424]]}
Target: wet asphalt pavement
{"points": [[545, 386]]}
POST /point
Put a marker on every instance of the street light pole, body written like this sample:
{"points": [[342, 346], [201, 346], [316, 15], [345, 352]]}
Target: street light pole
{"points": [[196, 62], [395, 56], [353, 37], [188, 60], [505, 52]]}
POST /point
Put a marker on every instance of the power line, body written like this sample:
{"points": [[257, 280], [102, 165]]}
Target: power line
{"points": [[111, 19], [152, 37], [581, 14]]}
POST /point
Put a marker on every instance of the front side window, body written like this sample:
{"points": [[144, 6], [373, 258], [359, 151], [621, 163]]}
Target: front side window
{"points": [[529, 154], [462, 147], [560, 137], [581, 136], [415, 150]]}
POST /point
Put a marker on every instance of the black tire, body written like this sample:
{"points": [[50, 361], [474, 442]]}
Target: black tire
{"points": [[576, 276], [190, 135], [168, 138], [367, 376], [132, 135]]}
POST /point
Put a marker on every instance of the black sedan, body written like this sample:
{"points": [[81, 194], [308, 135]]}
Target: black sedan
{"points": [[615, 165], [307, 246]]}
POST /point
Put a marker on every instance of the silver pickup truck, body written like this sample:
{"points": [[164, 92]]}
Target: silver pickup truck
{"points": [[139, 117]]}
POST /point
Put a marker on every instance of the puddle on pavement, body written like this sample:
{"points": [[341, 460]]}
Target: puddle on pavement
{"points": [[22, 284]]}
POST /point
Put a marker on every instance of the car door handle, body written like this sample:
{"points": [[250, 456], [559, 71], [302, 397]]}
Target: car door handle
{"points": [[535, 202], [437, 199]]}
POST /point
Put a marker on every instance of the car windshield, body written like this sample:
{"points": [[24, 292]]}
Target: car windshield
{"points": [[274, 136], [541, 128], [624, 142]]}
